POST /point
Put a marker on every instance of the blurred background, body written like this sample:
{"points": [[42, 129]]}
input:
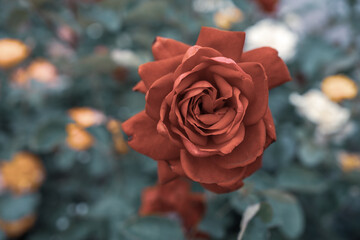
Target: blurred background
{"points": [[67, 68]]}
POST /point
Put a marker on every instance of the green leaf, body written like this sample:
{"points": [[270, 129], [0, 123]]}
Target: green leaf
{"points": [[65, 159], [49, 135], [216, 218], [311, 154], [112, 206], [242, 199], [266, 212], [2, 235], [301, 179], [256, 230], [288, 215], [15, 207], [260, 180], [153, 228]]}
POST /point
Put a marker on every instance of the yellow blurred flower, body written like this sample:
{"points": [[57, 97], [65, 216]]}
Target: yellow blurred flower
{"points": [[86, 117], [78, 138], [42, 71], [12, 52], [225, 18], [114, 126], [39, 70], [120, 144], [23, 173], [339, 87], [349, 162], [17, 228], [20, 77]]}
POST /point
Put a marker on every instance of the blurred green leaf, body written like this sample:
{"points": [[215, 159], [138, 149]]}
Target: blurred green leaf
{"points": [[288, 214], [216, 218], [266, 212], [49, 135], [15, 207], [311, 154], [153, 228], [300, 179], [256, 230]]}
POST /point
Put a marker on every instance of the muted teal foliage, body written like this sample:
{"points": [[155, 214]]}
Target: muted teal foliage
{"points": [[95, 194]]}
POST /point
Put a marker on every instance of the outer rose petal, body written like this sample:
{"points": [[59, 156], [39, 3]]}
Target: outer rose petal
{"points": [[230, 44], [152, 71], [275, 68], [218, 189], [164, 48], [146, 140], [232, 186], [156, 95], [140, 87], [165, 173], [259, 103], [205, 170], [270, 128], [250, 169], [192, 210]]}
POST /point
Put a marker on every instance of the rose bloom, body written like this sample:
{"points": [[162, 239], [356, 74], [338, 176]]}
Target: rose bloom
{"points": [[24, 173], [16, 228], [174, 197], [12, 52], [206, 115]]}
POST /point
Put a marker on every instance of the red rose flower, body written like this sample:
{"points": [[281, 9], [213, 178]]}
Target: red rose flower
{"points": [[174, 197], [268, 5], [206, 114]]}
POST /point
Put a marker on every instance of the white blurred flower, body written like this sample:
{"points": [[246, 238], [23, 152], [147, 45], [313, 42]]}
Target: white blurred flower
{"points": [[329, 117], [272, 34], [125, 58], [206, 6]]}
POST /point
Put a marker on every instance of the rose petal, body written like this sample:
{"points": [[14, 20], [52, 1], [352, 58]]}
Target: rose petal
{"points": [[164, 48], [275, 68], [245, 153], [152, 71], [226, 187], [218, 189], [259, 104], [175, 166], [226, 91], [140, 87], [230, 44], [146, 140], [204, 170], [165, 174], [194, 56], [234, 75], [270, 128], [156, 94], [253, 167]]}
